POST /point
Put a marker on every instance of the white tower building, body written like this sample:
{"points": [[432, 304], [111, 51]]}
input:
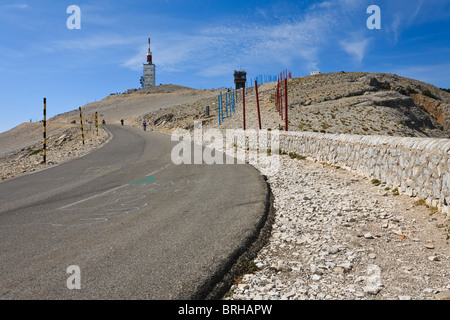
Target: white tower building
{"points": [[148, 79]]}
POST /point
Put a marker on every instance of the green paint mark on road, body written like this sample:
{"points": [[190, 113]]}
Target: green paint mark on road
{"points": [[150, 179]]}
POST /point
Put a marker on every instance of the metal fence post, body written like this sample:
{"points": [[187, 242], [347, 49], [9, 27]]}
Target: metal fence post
{"points": [[243, 105], [44, 147], [81, 122], [257, 104], [96, 122], [226, 103], [286, 104], [218, 107]]}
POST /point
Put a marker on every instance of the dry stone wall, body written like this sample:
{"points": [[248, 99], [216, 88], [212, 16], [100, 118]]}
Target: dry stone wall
{"points": [[418, 167]]}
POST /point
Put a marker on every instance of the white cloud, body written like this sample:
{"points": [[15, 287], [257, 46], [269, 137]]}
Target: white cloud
{"points": [[92, 43], [176, 52], [17, 6], [355, 48], [135, 63], [402, 19], [216, 70], [295, 39], [395, 26], [416, 12], [434, 74], [220, 30], [263, 13]]}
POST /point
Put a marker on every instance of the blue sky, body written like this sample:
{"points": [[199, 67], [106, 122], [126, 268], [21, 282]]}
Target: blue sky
{"points": [[200, 43]]}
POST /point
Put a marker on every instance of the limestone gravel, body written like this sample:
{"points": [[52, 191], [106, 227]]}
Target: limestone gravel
{"points": [[337, 236]]}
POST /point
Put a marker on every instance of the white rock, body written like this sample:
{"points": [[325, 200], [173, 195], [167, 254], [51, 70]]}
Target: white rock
{"points": [[346, 265], [433, 258], [374, 289], [316, 277], [260, 265], [243, 286], [368, 235], [333, 250]]}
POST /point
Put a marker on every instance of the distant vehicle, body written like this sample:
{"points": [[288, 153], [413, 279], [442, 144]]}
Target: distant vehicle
{"points": [[313, 73]]}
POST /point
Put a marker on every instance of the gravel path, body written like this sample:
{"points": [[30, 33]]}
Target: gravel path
{"points": [[338, 236]]}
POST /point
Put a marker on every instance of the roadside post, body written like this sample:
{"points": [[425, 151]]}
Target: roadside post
{"points": [[44, 147], [96, 122], [286, 105], [257, 104], [243, 104], [81, 122]]}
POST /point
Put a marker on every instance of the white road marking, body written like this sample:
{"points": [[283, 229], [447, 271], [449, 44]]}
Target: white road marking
{"points": [[159, 170], [93, 197]]}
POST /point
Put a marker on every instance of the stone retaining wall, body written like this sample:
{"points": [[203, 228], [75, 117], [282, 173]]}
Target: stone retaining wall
{"points": [[418, 167]]}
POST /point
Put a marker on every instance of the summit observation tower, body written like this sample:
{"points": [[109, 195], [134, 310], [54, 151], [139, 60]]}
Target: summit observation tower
{"points": [[148, 79]]}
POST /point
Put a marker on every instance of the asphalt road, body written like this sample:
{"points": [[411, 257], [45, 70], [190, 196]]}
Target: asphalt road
{"points": [[136, 225]]}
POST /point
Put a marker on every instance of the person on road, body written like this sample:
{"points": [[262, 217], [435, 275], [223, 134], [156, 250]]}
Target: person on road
{"points": [[121, 121], [145, 125], [103, 121]]}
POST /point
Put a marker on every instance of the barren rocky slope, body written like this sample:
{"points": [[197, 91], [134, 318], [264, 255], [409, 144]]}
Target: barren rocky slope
{"points": [[343, 102], [369, 104], [129, 106], [63, 144], [340, 102]]}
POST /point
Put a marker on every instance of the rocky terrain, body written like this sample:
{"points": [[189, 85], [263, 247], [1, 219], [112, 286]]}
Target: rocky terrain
{"points": [[339, 236], [336, 235], [343, 102], [377, 104], [131, 106], [64, 143]]}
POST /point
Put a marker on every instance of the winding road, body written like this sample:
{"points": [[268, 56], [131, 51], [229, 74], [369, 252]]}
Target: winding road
{"points": [[136, 225]]}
